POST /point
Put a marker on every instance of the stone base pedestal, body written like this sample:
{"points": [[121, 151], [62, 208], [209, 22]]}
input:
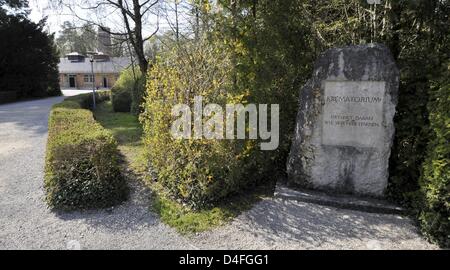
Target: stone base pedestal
{"points": [[345, 126]]}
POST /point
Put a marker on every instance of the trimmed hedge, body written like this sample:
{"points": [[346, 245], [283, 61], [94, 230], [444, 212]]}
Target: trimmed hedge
{"points": [[121, 99], [127, 94], [29, 59], [82, 163]]}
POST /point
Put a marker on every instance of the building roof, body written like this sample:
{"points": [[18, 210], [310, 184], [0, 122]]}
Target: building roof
{"points": [[115, 65], [74, 54]]}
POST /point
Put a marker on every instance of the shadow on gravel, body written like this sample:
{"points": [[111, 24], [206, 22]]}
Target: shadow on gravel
{"points": [[314, 224], [131, 215]]}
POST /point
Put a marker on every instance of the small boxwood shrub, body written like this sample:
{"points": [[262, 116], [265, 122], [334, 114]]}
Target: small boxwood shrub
{"points": [[127, 93], [435, 180], [137, 96], [121, 99], [82, 162], [8, 96]]}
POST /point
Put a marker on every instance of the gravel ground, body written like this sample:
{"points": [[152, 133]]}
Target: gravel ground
{"points": [[26, 223]]}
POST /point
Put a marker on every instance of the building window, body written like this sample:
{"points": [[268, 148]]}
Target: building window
{"points": [[88, 78]]}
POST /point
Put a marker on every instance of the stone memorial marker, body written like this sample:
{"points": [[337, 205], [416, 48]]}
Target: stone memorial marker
{"points": [[345, 125]]}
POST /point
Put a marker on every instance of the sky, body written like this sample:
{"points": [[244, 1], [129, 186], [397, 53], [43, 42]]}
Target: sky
{"points": [[56, 17]]}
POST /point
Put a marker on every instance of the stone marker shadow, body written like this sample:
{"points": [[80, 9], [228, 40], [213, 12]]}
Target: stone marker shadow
{"points": [[132, 214]]}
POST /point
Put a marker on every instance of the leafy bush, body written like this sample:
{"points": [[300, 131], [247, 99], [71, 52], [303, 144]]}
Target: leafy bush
{"points": [[82, 163], [435, 180], [198, 172], [410, 143], [127, 93], [9, 96], [137, 95], [121, 99]]}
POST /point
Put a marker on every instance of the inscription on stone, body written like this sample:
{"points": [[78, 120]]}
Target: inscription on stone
{"points": [[353, 113]]}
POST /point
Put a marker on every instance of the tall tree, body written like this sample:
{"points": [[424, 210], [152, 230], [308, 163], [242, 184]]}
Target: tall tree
{"points": [[15, 4], [28, 58]]}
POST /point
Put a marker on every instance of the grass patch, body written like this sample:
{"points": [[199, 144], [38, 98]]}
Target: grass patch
{"points": [[127, 130]]}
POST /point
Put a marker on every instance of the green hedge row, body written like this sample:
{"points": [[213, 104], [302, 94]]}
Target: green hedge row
{"points": [[82, 163], [203, 172], [9, 96]]}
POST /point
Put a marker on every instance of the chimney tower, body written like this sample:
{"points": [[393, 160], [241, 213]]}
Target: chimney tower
{"points": [[104, 41]]}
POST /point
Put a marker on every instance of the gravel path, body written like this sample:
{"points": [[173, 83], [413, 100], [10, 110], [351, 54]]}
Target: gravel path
{"points": [[26, 223]]}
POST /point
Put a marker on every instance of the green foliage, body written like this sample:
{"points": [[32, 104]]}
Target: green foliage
{"points": [[274, 58], [82, 163], [6, 97], [137, 95], [417, 33], [124, 126], [29, 60], [197, 172], [14, 3], [121, 99], [420, 53], [84, 39], [411, 138], [268, 49], [435, 180], [17, 5], [127, 130], [76, 39], [187, 221], [128, 92]]}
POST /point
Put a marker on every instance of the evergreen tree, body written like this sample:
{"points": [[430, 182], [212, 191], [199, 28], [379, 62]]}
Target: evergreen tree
{"points": [[28, 57]]}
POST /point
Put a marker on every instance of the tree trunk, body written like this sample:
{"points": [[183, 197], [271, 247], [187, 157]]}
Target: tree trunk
{"points": [[177, 25], [139, 44]]}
